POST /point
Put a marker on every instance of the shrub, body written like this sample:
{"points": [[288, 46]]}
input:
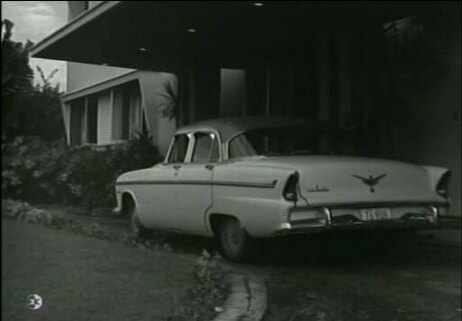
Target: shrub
{"points": [[22, 211], [209, 292], [90, 175], [87, 176], [30, 167], [38, 171]]}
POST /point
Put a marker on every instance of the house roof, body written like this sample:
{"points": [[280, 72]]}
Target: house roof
{"points": [[169, 35]]}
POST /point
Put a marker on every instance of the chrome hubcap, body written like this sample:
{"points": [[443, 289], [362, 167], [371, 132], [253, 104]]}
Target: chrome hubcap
{"points": [[234, 235]]}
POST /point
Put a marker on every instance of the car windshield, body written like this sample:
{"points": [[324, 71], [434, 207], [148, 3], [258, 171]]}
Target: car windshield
{"points": [[292, 141]]}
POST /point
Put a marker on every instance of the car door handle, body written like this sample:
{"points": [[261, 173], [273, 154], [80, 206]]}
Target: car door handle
{"points": [[176, 167], [209, 167]]}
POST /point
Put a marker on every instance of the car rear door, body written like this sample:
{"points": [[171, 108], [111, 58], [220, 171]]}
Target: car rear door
{"points": [[194, 183]]}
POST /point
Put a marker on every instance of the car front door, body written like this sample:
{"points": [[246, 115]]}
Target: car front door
{"points": [[194, 183], [159, 197]]}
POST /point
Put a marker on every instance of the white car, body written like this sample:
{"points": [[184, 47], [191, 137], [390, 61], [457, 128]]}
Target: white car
{"points": [[245, 178]]}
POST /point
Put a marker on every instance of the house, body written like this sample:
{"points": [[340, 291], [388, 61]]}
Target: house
{"points": [[324, 60], [106, 105]]}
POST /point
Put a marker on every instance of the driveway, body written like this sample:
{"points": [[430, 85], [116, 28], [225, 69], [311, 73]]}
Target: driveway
{"points": [[359, 279]]}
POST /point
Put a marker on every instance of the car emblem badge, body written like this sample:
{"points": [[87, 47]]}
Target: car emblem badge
{"points": [[370, 181]]}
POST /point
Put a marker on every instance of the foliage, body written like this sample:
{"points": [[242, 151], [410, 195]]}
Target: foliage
{"points": [[40, 171], [209, 293], [17, 75], [30, 167], [398, 66], [90, 174], [27, 110], [409, 66], [23, 211], [170, 106]]}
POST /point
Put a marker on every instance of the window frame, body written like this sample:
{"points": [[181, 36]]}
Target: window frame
{"points": [[192, 144], [172, 144], [215, 142]]}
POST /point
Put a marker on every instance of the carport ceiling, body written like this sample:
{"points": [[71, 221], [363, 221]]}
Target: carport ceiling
{"points": [[167, 35]]}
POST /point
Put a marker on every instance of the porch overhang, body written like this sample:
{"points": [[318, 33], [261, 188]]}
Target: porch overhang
{"points": [[168, 35]]}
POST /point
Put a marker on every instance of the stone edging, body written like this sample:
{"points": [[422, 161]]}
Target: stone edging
{"points": [[247, 300]]}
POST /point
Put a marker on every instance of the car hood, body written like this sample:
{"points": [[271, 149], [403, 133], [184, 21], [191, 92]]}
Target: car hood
{"points": [[338, 180]]}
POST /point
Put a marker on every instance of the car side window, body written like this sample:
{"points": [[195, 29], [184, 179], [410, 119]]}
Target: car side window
{"points": [[205, 149], [240, 147], [179, 149]]}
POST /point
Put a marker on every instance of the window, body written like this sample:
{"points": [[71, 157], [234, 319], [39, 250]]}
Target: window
{"points": [[84, 121], [240, 147], [206, 148], [179, 149], [77, 117], [127, 113], [295, 141], [276, 141], [92, 120]]}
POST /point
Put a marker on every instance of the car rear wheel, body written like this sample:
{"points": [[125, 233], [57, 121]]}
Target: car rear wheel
{"points": [[235, 243], [137, 228]]}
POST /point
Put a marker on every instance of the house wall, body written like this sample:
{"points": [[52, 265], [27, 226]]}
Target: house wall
{"points": [[75, 8], [160, 126], [84, 75], [92, 4]]}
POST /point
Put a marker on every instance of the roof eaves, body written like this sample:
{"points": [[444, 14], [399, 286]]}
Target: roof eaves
{"points": [[74, 24]]}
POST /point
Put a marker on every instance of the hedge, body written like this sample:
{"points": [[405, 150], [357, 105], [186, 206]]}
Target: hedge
{"points": [[51, 172]]}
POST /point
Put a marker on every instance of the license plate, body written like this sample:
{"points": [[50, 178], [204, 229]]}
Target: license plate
{"points": [[375, 214]]}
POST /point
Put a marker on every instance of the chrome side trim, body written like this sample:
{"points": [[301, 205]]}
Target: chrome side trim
{"points": [[366, 204], [214, 183]]}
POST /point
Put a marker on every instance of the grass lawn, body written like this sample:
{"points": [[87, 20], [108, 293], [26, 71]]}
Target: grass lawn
{"points": [[82, 278]]}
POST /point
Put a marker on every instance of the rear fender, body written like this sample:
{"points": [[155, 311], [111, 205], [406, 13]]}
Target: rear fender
{"points": [[435, 175]]}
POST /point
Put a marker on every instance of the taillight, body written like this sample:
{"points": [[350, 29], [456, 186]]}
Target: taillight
{"points": [[290, 190], [443, 185]]}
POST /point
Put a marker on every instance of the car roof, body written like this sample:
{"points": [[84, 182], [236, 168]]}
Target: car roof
{"points": [[229, 127]]}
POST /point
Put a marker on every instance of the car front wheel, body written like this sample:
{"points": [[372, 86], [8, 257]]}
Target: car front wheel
{"points": [[137, 228], [235, 243]]}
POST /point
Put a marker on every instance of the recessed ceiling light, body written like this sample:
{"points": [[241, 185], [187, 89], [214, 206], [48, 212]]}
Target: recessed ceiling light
{"points": [[192, 30], [142, 49], [258, 4]]}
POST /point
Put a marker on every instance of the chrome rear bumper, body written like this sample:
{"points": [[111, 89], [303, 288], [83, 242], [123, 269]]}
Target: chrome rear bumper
{"points": [[328, 219]]}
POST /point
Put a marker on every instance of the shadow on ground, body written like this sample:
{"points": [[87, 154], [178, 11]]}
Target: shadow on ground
{"points": [[355, 248], [339, 248]]}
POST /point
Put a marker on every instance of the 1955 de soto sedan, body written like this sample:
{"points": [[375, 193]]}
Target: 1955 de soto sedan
{"points": [[245, 178]]}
